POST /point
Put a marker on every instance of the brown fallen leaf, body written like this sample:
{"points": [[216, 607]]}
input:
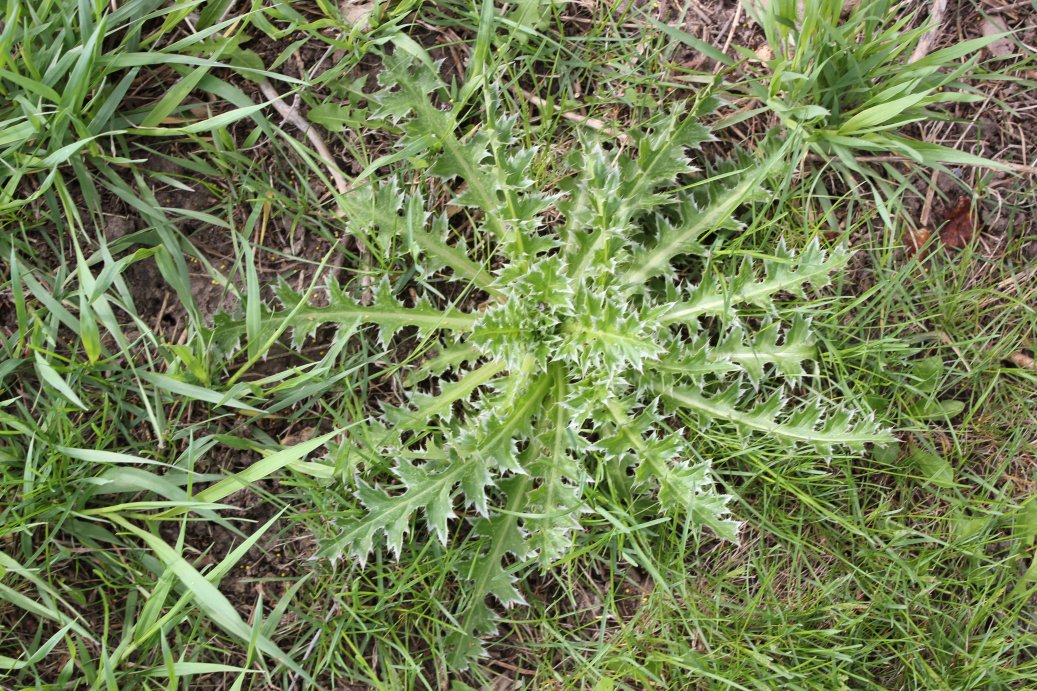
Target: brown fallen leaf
{"points": [[1021, 359], [357, 13], [915, 239], [764, 53], [960, 223], [298, 436], [999, 47]]}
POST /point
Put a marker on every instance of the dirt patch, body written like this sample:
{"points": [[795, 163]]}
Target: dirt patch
{"points": [[8, 314], [270, 567]]}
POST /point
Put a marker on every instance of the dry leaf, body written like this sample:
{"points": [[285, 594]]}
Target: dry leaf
{"points": [[357, 13], [1000, 47], [1023, 360], [915, 239], [960, 223], [764, 53], [298, 436]]}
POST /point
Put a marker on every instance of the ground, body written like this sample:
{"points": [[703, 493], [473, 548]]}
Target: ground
{"points": [[905, 566]]}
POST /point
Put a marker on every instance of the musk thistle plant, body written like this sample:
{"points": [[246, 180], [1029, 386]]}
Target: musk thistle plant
{"points": [[593, 356]]}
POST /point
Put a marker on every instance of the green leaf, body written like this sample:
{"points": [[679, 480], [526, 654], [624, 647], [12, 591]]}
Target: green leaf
{"points": [[198, 393], [172, 99], [207, 125], [557, 502], [457, 260], [928, 374], [529, 16], [207, 596], [808, 425], [427, 407], [785, 272], [457, 685], [89, 334], [51, 376], [386, 312], [37, 655], [937, 410], [32, 86], [488, 572], [682, 484], [47, 609], [392, 515], [1025, 524], [263, 468], [693, 42], [64, 154], [179, 669], [655, 259], [333, 117], [881, 114], [579, 319], [934, 468]]}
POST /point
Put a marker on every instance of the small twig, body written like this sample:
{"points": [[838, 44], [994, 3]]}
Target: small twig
{"points": [[292, 115], [1022, 360], [927, 207], [593, 123], [161, 311], [926, 42], [1017, 278], [695, 7], [596, 20], [525, 671], [1010, 286], [1002, 9], [223, 15], [730, 35], [949, 342]]}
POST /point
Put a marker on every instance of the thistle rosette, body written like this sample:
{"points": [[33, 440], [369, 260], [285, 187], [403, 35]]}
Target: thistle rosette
{"points": [[591, 358]]}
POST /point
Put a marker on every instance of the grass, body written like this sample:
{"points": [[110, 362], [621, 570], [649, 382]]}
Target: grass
{"points": [[144, 191]]}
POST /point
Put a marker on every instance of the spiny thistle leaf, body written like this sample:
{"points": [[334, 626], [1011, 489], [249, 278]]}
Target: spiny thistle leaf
{"points": [[556, 503], [656, 259], [426, 407], [583, 357], [810, 425], [785, 272], [392, 515]]}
